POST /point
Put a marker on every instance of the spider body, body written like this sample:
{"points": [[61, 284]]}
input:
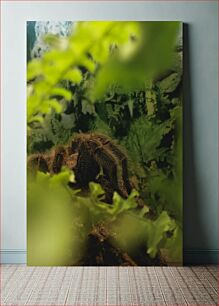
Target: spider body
{"points": [[92, 157]]}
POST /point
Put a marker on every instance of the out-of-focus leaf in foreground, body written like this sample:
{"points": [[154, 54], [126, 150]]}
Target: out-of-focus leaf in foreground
{"points": [[153, 54]]}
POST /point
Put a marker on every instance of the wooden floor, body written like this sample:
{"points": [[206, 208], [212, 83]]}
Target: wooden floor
{"points": [[103, 286]]}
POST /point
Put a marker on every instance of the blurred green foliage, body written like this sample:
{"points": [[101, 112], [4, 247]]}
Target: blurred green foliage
{"points": [[60, 220], [123, 79]]}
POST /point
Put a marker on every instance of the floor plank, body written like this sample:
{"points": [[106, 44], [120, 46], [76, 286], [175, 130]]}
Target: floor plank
{"points": [[108, 286]]}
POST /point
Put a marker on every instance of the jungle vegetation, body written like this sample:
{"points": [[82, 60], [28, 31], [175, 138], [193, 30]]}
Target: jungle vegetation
{"points": [[123, 80]]}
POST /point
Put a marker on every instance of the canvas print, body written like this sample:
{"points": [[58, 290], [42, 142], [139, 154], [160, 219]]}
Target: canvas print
{"points": [[104, 143]]}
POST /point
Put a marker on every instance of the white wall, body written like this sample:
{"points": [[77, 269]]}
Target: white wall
{"points": [[200, 154]]}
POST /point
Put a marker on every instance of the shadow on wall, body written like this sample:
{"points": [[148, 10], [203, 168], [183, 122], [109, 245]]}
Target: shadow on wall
{"points": [[192, 227]]}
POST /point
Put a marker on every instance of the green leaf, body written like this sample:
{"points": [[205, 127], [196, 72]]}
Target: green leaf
{"points": [[73, 75], [56, 105], [170, 83], [56, 41], [87, 63], [37, 118], [96, 190], [130, 106], [62, 178], [87, 107], [156, 230], [34, 69], [59, 91]]}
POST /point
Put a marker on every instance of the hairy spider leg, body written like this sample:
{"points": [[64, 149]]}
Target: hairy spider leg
{"points": [[58, 159], [109, 164], [123, 159], [37, 162], [87, 168]]}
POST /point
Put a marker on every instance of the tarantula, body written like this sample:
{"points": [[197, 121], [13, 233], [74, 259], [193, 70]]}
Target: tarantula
{"points": [[92, 157]]}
